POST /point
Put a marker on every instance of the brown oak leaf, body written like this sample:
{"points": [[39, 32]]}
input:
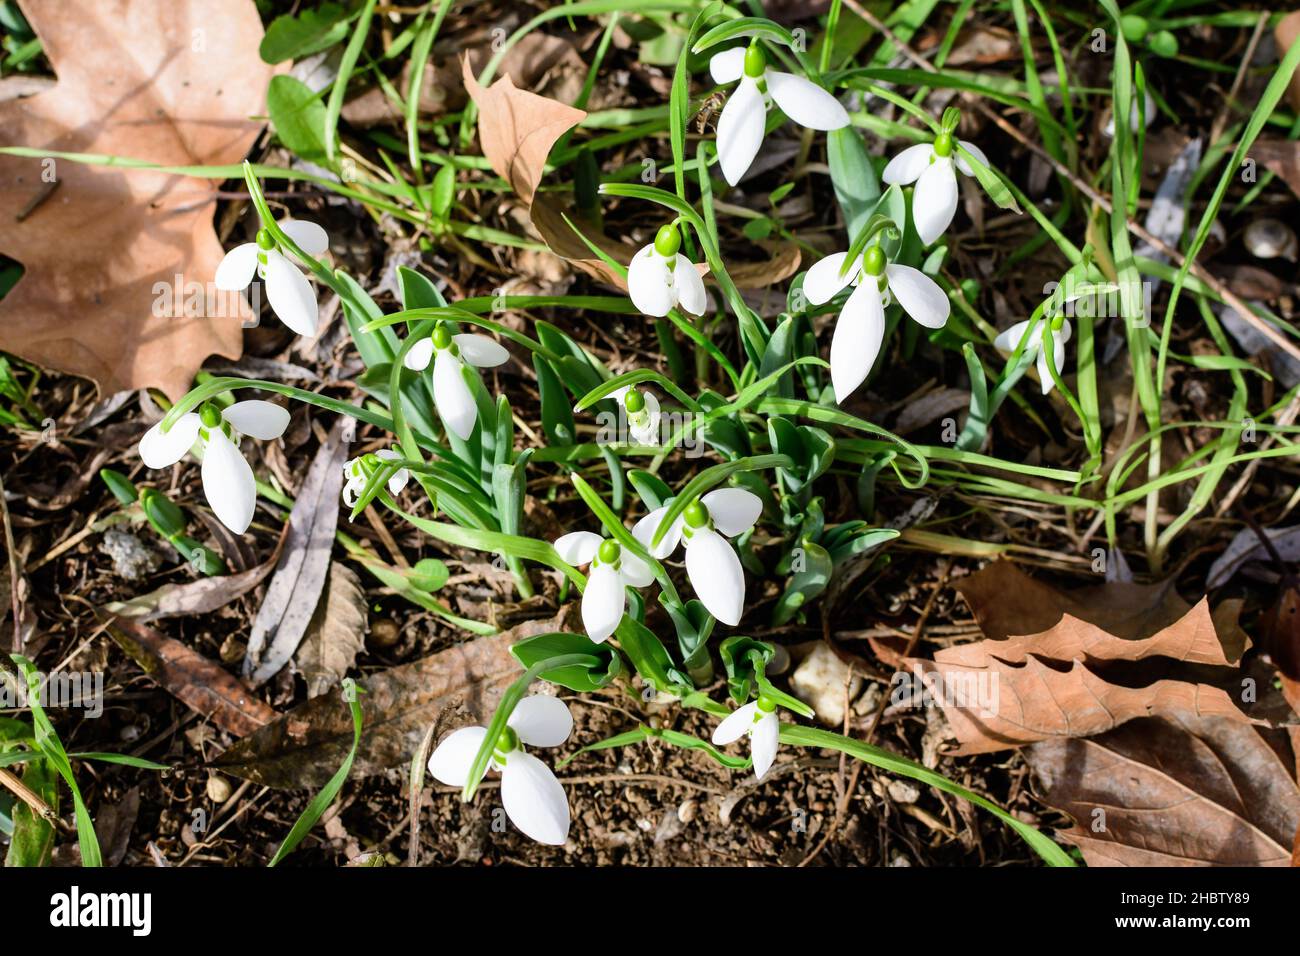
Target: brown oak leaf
{"points": [[118, 263], [1185, 792], [1072, 664]]}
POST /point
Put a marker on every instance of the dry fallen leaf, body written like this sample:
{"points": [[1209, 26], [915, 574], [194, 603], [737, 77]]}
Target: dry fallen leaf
{"points": [[336, 634], [304, 747], [1074, 664], [299, 580], [201, 596], [202, 685], [1280, 157], [112, 258], [1007, 601], [516, 129], [1186, 792]]}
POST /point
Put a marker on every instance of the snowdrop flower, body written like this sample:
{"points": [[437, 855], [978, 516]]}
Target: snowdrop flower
{"points": [[357, 472], [711, 562], [932, 167], [227, 479], [743, 120], [643, 414], [450, 354], [287, 289], [1008, 340], [660, 278], [613, 570], [860, 328], [758, 719], [532, 796]]}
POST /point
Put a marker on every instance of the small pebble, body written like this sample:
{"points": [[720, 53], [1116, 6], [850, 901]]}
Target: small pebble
{"points": [[218, 788], [687, 809], [384, 633]]}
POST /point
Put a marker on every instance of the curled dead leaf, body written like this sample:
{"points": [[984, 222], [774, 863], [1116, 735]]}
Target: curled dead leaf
{"points": [[199, 683], [1185, 792], [1058, 664]]}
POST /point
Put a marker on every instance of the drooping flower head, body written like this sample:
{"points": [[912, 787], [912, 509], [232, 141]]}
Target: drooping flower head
{"points": [[357, 471], [759, 721], [450, 354], [287, 289], [228, 481], [643, 415], [613, 570], [1061, 332], [932, 167], [860, 328], [744, 119], [712, 564], [533, 798], [660, 278]]}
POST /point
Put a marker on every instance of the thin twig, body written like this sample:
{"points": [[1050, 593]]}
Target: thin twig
{"points": [[29, 797]]}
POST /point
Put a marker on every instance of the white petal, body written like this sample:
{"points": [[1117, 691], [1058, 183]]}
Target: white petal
{"points": [[689, 285], [400, 477], [480, 351], [451, 761], [650, 283], [908, 165], [1045, 380], [534, 799], [237, 268], [735, 725], [290, 295], [228, 482], [824, 280], [934, 202], [716, 575], [764, 739], [635, 571], [975, 151], [307, 236], [733, 510], [159, 449], [740, 130], [1058, 349], [644, 531], [258, 419], [919, 295], [856, 342], [1008, 339], [805, 102], [648, 432], [603, 602], [727, 66], [452, 395], [1058, 358], [418, 358], [352, 490], [578, 547], [541, 721]]}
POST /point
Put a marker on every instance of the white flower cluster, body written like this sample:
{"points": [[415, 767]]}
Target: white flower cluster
{"points": [[660, 278]]}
